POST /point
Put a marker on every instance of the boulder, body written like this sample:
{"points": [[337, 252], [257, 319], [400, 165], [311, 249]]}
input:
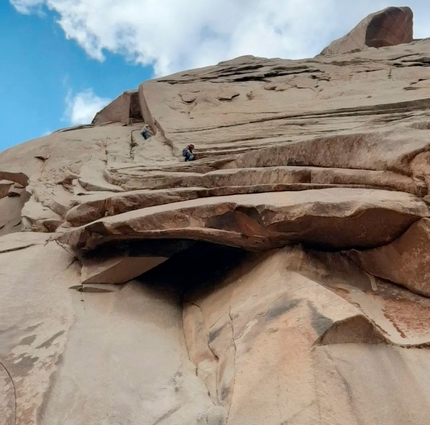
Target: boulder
{"points": [[123, 109], [388, 27]]}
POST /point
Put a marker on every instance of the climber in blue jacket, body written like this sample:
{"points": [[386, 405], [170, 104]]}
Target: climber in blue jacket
{"points": [[188, 154]]}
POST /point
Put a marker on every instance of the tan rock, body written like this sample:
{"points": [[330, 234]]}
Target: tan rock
{"points": [[275, 328], [5, 186], [268, 175], [405, 261], [332, 153], [123, 109], [18, 241], [39, 218], [387, 27], [19, 178], [10, 213], [15, 191], [7, 397], [327, 119], [145, 111], [355, 217], [118, 269], [124, 344]]}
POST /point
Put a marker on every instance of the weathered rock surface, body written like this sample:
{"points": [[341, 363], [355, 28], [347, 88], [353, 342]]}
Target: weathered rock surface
{"points": [[291, 309], [104, 354], [387, 27], [124, 109], [355, 217], [405, 261], [281, 278]]}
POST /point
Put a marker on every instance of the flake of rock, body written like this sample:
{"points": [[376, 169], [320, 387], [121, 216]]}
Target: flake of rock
{"points": [[117, 270]]}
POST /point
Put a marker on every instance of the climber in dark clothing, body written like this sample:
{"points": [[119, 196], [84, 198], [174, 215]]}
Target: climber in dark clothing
{"points": [[188, 154], [145, 132]]}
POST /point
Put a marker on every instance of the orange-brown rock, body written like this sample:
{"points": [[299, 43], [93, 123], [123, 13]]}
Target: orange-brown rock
{"points": [[355, 217], [388, 27], [405, 261]]}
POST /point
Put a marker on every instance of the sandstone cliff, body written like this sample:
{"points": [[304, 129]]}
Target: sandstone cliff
{"points": [[281, 278]]}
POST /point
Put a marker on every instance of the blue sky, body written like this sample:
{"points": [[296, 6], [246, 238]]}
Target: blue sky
{"points": [[40, 70], [63, 60]]}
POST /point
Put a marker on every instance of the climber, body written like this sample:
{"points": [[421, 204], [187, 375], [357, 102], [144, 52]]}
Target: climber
{"points": [[187, 153], [145, 132]]}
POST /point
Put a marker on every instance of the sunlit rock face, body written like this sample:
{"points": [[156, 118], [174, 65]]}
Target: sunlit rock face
{"points": [[280, 278]]}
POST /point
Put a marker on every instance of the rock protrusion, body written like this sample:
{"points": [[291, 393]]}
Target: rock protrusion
{"points": [[405, 261], [124, 109], [117, 270], [328, 218], [388, 27]]}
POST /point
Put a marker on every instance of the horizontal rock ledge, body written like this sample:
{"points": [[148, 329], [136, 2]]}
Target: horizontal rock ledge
{"points": [[326, 218], [94, 207], [255, 176]]}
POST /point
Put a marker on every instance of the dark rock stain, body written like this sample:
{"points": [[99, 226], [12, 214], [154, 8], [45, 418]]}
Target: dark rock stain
{"points": [[320, 323], [281, 309], [49, 342], [214, 334], [33, 328], [27, 362], [27, 340], [225, 392]]}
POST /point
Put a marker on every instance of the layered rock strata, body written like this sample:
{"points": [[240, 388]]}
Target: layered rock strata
{"points": [[281, 278]]}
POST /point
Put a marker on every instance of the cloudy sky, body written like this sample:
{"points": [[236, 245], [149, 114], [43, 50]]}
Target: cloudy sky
{"points": [[63, 60]]}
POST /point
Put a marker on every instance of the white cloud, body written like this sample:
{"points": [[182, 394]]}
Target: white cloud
{"points": [[172, 35], [81, 107], [26, 6]]}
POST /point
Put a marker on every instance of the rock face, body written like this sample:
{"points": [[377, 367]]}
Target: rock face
{"points": [[405, 261], [281, 278], [388, 27]]}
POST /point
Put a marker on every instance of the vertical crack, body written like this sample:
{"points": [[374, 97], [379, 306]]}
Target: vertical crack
{"points": [[166, 140], [14, 391], [235, 357], [186, 341], [278, 394], [188, 350], [133, 144]]}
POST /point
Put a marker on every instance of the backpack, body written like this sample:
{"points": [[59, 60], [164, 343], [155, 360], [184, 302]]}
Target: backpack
{"points": [[185, 153]]}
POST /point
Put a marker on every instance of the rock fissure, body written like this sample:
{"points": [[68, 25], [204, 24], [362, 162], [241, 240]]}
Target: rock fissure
{"points": [[231, 321], [15, 408]]}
